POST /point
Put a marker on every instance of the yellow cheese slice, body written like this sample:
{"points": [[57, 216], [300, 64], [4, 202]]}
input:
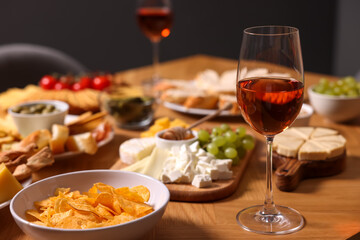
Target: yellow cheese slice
{"points": [[9, 186]]}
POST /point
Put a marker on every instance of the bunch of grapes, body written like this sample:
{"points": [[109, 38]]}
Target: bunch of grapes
{"points": [[343, 87], [225, 143]]}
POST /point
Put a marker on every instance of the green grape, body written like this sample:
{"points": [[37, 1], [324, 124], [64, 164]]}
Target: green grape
{"points": [[227, 145], [248, 142], [216, 131], [329, 92], [241, 152], [331, 85], [340, 83], [224, 127], [349, 80], [219, 141], [230, 153], [319, 89], [238, 141], [212, 148], [352, 93], [230, 136], [203, 135], [241, 131], [358, 85], [324, 82], [337, 91], [220, 155]]}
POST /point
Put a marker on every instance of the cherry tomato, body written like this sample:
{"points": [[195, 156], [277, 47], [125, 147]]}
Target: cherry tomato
{"points": [[61, 85], [47, 82], [100, 82], [68, 79], [85, 82], [77, 86]]}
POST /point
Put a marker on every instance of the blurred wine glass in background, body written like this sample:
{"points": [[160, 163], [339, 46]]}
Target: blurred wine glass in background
{"points": [[155, 18]]}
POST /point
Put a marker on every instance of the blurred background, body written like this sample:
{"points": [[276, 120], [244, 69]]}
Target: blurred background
{"points": [[103, 35]]}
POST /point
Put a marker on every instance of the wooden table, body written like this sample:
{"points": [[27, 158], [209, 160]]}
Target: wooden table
{"points": [[331, 206]]}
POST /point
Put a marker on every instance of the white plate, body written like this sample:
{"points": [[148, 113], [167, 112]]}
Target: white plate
{"points": [[24, 183], [196, 111], [66, 155]]}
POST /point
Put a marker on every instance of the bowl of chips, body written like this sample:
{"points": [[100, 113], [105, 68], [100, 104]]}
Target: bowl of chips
{"points": [[94, 204]]}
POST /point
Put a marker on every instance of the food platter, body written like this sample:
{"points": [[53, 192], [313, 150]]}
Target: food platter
{"points": [[24, 183], [66, 155], [197, 111]]}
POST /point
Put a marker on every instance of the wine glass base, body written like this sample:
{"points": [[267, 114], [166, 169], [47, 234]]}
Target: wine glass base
{"points": [[287, 220]]}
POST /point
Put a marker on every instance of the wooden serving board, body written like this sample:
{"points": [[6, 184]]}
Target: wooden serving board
{"points": [[218, 190], [291, 171]]}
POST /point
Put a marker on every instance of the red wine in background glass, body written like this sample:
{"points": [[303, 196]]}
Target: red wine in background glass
{"points": [[270, 105], [155, 22]]}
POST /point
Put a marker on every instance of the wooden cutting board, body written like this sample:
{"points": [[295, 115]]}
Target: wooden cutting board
{"points": [[218, 190], [291, 171]]}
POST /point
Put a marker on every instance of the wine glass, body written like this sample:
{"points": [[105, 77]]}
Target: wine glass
{"points": [[270, 90], [155, 19]]}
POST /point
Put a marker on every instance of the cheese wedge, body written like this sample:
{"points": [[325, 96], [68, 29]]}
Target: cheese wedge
{"points": [[9, 186], [309, 143], [135, 149]]}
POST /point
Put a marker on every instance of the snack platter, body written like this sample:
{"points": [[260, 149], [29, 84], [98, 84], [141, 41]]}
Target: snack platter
{"points": [[196, 111]]}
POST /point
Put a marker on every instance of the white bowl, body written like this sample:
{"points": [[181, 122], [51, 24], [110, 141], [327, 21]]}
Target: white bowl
{"points": [[82, 181], [28, 123], [168, 144], [335, 108], [304, 116]]}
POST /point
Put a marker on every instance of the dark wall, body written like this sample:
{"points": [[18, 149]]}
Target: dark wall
{"points": [[103, 35]]}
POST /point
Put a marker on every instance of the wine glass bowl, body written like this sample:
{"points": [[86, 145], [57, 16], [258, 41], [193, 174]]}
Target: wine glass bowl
{"points": [[270, 92]]}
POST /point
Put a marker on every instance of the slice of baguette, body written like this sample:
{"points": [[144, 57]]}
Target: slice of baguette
{"points": [[40, 137], [60, 134], [83, 142]]}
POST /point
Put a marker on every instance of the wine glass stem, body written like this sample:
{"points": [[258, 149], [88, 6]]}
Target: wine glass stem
{"points": [[156, 75], [269, 206]]}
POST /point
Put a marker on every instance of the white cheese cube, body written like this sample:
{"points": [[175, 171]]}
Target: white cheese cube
{"points": [[201, 181], [225, 175], [222, 164]]}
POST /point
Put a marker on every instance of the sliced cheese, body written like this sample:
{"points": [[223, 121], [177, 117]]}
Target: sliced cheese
{"points": [[135, 149], [9, 186], [287, 146], [321, 132], [310, 150]]}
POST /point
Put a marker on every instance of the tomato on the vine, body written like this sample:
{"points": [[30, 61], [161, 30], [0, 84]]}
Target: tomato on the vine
{"points": [[47, 82], [85, 82], [77, 86], [100, 82], [61, 85]]}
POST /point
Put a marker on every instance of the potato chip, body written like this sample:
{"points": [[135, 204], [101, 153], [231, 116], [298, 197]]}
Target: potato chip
{"points": [[101, 206]]}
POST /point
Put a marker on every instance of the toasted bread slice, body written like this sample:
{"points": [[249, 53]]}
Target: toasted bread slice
{"points": [[40, 138], [60, 134], [82, 143]]}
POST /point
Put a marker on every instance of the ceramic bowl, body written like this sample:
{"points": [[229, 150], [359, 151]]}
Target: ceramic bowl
{"points": [[335, 108], [28, 123], [82, 181], [304, 116], [168, 144]]}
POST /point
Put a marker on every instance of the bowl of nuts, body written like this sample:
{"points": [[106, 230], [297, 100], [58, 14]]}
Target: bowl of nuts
{"points": [[35, 115]]}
